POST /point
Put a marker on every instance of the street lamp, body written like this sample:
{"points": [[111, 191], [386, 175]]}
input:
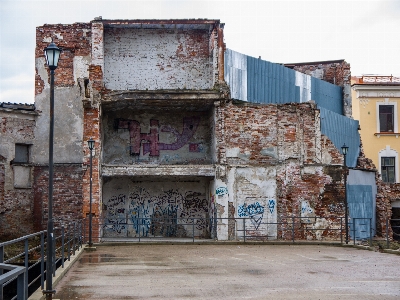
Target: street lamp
{"points": [[91, 147], [345, 149], [52, 53]]}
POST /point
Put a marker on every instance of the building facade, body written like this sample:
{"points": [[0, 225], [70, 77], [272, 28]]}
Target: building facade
{"points": [[376, 104], [17, 125], [178, 152]]}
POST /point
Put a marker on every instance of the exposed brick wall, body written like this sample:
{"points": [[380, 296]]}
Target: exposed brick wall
{"points": [[18, 130], [324, 194], [383, 209], [91, 130], [334, 72], [16, 213], [287, 137], [363, 162], [74, 40], [67, 194], [16, 209], [268, 133]]}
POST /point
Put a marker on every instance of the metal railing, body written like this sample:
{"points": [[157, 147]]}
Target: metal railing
{"points": [[27, 255], [286, 228]]}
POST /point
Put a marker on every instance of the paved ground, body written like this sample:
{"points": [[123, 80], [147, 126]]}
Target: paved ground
{"points": [[231, 272]]}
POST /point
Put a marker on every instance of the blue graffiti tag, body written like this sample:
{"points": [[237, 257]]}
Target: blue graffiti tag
{"points": [[221, 191], [255, 211], [250, 210], [271, 205]]}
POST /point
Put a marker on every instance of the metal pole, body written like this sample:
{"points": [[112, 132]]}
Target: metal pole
{"points": [[90, 203], [50, 223], [346, 212], [293, 229], [370, 232], [26, 254], [341, 230], [387, 233]]}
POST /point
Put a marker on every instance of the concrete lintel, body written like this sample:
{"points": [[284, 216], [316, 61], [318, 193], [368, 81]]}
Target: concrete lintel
{"points": [[162, 95], [184, 170]]}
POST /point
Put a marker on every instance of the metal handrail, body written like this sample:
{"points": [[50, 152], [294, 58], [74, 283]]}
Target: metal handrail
{"points": [[63, 238]]}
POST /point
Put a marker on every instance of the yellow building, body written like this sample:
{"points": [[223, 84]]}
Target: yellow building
{"points": [[376, 104]]}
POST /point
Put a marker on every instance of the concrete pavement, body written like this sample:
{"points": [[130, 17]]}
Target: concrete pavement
{"points": [[141, 271]]}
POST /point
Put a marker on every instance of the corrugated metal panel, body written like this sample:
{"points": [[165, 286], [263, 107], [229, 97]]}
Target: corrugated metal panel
{"points": [[341, 130], [360, 202], [270, 83], [236, 74], [259, 81], [360, 178], [327, 95]]}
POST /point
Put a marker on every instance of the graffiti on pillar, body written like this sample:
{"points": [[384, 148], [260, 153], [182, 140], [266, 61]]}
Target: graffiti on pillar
{"points": [[254, 211], [150, 141], [170, 213], [221, 191]]}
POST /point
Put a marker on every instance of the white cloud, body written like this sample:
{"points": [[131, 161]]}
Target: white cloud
{"points": [[364, 32], [17, 89]]}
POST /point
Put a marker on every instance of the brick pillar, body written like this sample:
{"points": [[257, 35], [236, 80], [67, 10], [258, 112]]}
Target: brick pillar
{"points": [[91, 130]]}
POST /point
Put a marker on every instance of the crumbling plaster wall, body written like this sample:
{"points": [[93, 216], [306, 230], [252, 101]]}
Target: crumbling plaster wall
{"points": [[274, 164], [75, 42], [140, 59], [71, 87], [16, 204]]}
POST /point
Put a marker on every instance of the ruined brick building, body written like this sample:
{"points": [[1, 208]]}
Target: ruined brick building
{"points": [[190, 131]]}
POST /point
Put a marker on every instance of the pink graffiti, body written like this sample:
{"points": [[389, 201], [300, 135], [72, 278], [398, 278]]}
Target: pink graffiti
{"points": [[150, 141]]}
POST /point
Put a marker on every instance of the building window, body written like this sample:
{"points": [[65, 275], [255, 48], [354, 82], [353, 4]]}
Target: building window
{"points": [[386, 118], [21, 153], [388, 169]]}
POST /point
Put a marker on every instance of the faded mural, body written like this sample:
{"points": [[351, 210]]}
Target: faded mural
{"points": [[166, 138], [155, 208]]}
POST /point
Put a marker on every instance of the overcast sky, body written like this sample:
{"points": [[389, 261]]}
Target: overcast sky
{"points": [[363, 32]]}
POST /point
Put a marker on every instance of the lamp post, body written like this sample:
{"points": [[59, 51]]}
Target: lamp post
{"points": [[52, 53], [91, 147], [345, 149]]}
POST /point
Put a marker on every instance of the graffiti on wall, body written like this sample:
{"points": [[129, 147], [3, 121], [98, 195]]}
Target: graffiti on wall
{"points": [[221, 191], [271, 205], [307, 212], [171, 213], [255, 211], [150, 141]]}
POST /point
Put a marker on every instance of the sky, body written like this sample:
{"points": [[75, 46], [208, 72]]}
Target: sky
{"points": [[363, 32]]}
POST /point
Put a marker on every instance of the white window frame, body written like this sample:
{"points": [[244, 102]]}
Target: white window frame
{"points": [[388, 152], [395, 123]]}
